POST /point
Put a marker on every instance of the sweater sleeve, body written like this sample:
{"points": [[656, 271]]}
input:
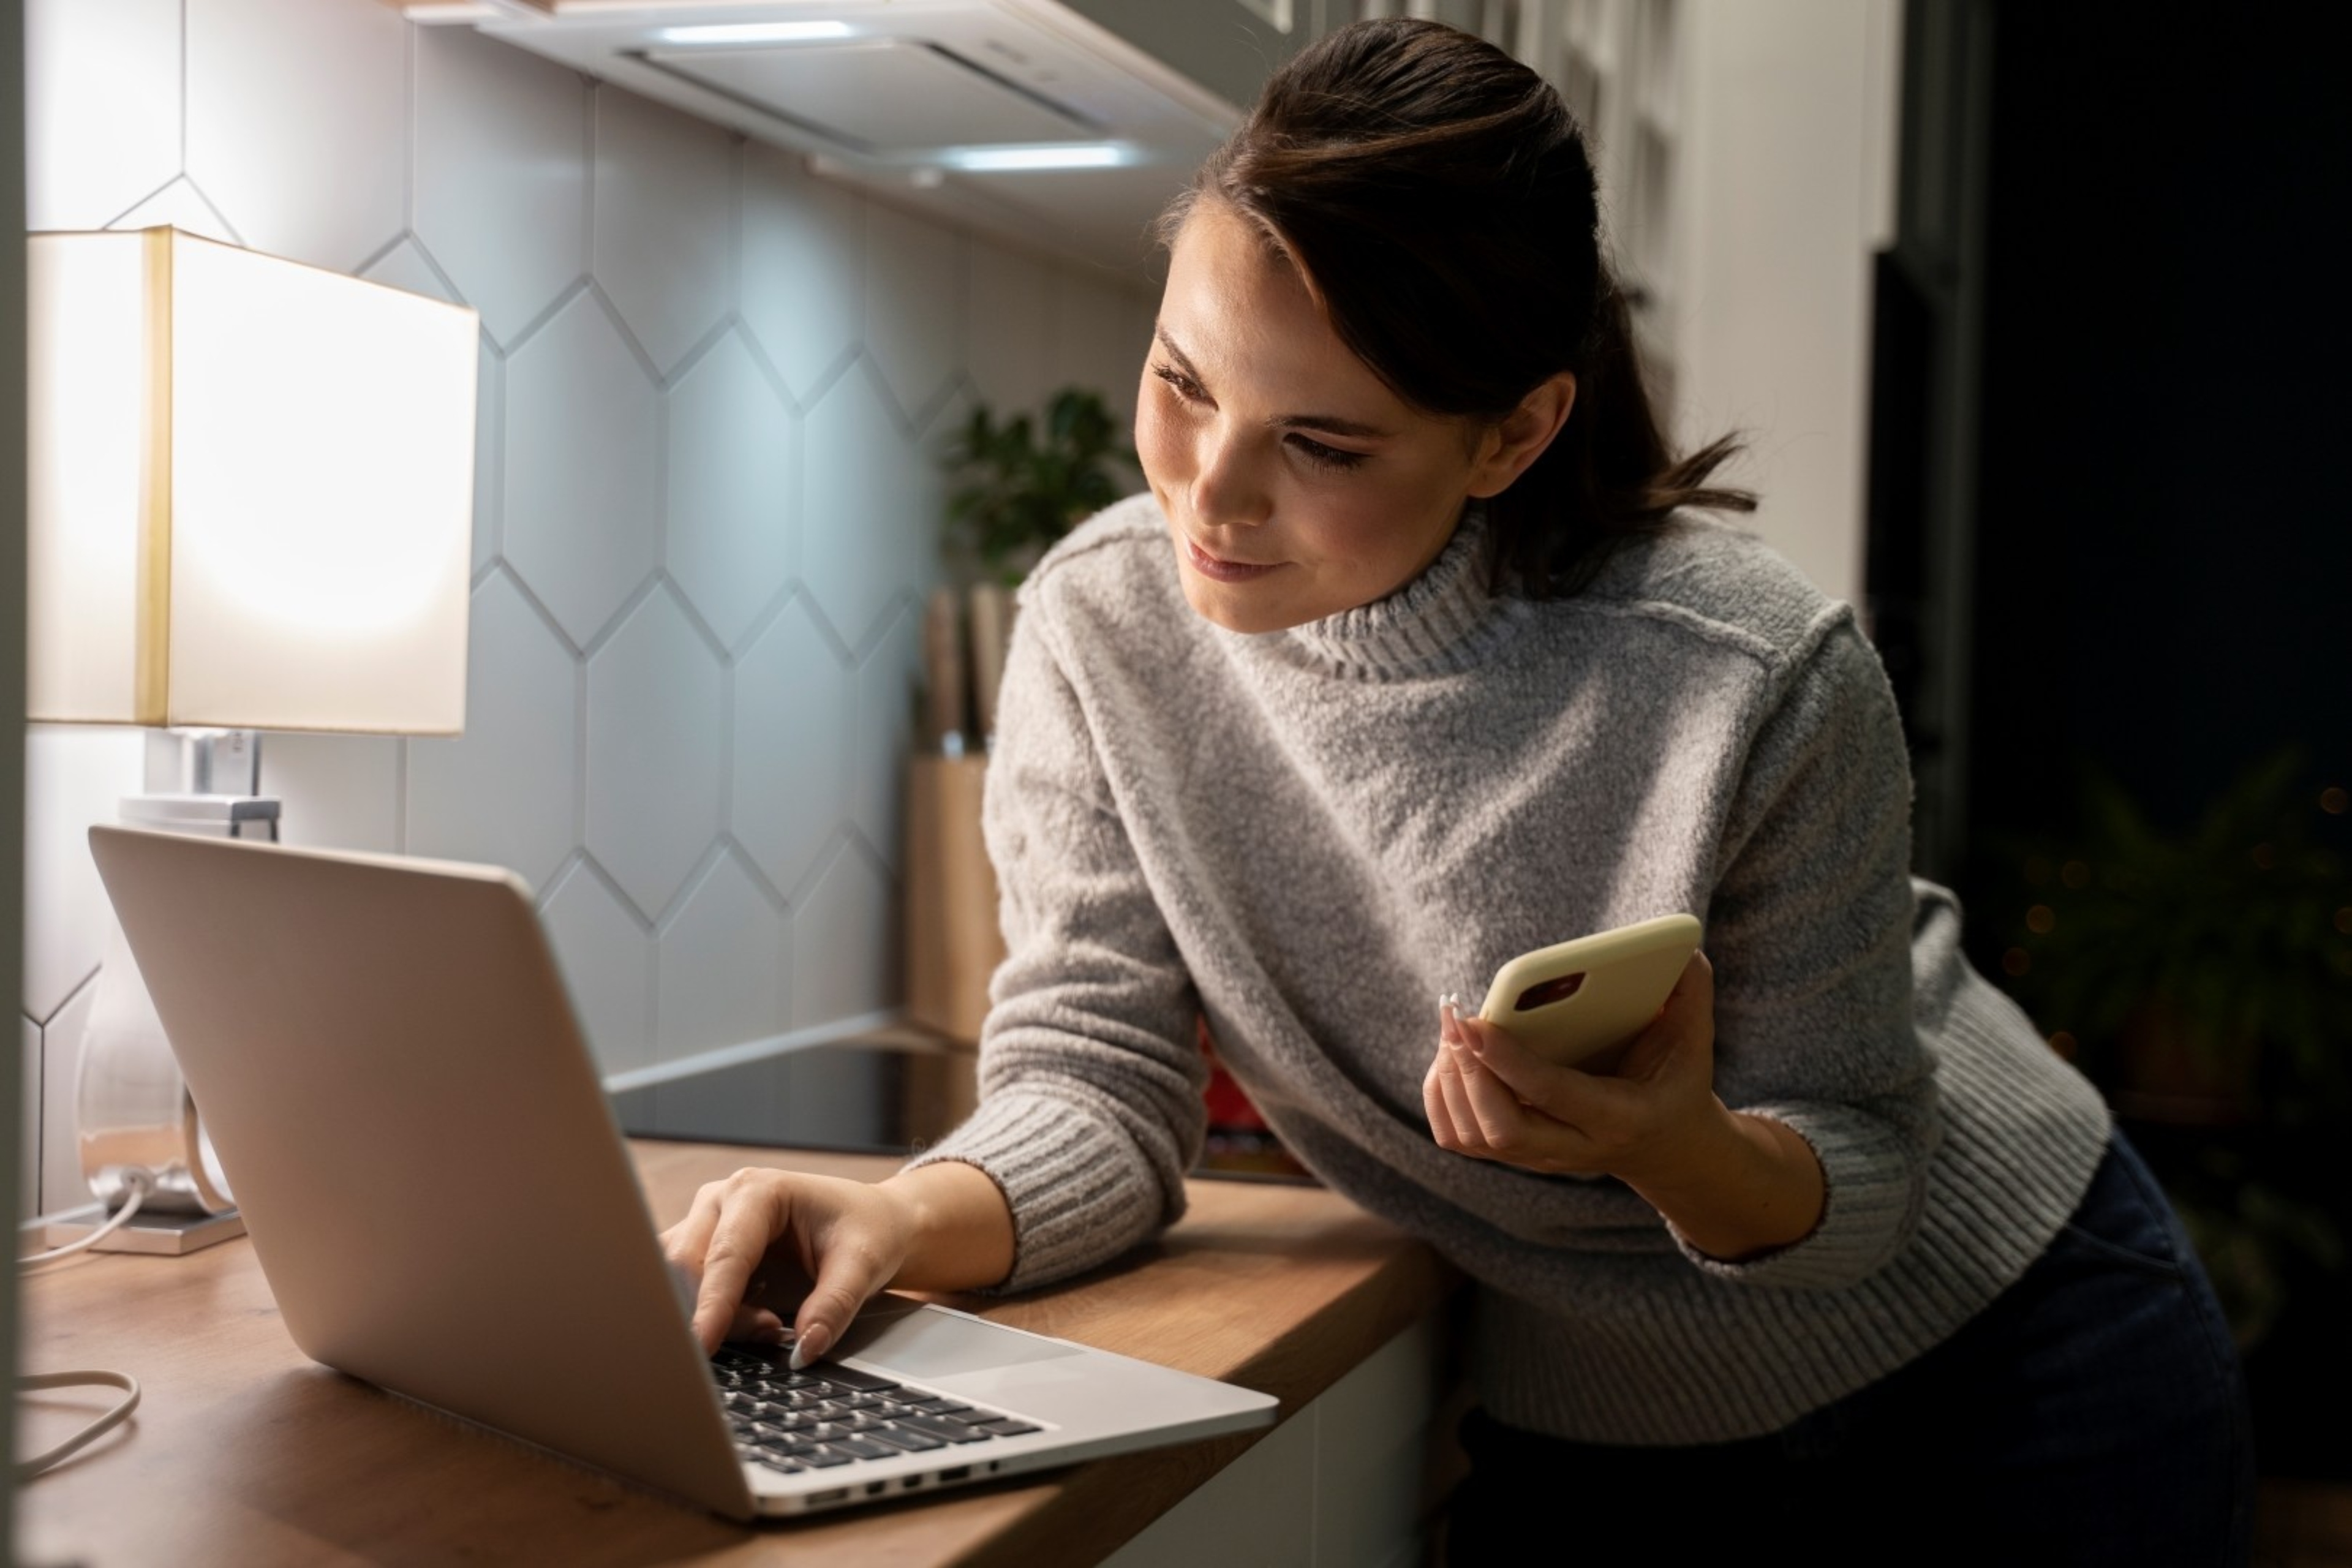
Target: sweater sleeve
{"points": [[1090, 1074], [1809, 932]]}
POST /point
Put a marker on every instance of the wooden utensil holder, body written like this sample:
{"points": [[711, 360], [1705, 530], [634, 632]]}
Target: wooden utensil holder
{"points": [[953, 942]]}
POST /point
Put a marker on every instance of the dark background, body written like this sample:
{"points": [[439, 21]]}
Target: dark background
{"points": [[2164, 563], [2121, 374]]}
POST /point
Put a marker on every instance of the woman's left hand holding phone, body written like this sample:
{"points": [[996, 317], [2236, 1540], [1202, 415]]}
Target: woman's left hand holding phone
{"points": [[1736, 1185], [1490, 1098]]}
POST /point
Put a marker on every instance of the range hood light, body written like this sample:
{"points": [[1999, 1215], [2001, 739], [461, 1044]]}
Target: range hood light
{"points": [[756, 32], [1074, 156]]}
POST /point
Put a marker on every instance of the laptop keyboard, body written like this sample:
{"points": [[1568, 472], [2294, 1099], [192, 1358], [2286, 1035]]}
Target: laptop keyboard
{"points": [[832, 1415]]}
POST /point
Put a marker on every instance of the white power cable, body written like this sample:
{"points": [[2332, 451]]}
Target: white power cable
{"points": [[140, 1183], [27, 1469]]}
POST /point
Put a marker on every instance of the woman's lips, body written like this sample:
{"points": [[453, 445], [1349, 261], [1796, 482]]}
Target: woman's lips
{"points": [[1221, 571]]}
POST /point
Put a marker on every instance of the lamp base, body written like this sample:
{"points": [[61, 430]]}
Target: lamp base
{"points": [[158, 1236]]}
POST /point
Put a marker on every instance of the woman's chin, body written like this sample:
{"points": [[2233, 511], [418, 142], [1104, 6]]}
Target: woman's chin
{"points": [[1237, 606]]}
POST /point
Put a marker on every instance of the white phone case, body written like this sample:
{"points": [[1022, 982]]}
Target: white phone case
{"points": [[1580, 1002]]}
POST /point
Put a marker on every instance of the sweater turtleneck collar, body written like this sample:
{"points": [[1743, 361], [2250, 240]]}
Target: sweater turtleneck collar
{"points": [[1444, 620]]}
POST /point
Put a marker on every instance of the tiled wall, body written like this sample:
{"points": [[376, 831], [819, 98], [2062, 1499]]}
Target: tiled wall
{"points": [[712, 388]]}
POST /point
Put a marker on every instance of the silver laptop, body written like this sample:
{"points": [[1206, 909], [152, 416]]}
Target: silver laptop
{"points": [[390, 1068]]}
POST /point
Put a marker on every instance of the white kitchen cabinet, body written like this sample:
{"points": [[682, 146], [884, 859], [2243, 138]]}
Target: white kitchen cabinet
{"points": [[1746, 171]]}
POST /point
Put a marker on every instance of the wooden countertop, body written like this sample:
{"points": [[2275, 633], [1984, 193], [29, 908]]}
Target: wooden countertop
{"points": [[245, 1451]]}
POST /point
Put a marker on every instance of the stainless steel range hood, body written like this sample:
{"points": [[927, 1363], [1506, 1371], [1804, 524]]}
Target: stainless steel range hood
{"points": [[958, 108]]}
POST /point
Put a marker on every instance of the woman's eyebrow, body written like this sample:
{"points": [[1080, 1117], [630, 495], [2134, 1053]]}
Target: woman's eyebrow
{"points": [[1329, 424]]}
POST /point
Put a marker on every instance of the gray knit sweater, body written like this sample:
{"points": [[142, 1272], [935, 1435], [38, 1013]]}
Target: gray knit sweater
{"points": [[1307, 835]]}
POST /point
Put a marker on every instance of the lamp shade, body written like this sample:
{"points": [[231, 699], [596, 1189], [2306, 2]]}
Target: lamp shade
{"points": [[251, 491]]}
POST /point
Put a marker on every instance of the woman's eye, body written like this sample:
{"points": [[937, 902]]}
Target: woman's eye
{"points": [[1307, 446], [1316, 452], [1185, 386]]}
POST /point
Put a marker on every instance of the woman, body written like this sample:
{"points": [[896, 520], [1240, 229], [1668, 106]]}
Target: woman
{"points": [[1415, 657]]}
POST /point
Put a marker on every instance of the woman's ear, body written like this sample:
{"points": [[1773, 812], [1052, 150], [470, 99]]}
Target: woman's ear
{"points": [[1509, 448]]}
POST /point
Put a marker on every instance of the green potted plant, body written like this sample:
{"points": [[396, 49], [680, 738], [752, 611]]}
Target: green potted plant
{"points": [[2203, 975], [1023, 482], [2203, 979]]}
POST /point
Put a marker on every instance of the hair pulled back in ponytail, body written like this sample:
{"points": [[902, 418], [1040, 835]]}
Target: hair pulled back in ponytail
{"points": [[1438, 199]]}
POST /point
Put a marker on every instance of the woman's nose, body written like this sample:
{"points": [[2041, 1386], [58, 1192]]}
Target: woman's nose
{"points": [[1227, 488]]}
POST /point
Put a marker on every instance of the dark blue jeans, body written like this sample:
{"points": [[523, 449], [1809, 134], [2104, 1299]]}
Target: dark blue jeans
{"points": [[2094, 1413]]}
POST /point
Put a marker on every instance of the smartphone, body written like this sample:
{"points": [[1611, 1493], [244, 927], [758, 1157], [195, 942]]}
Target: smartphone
{"points": [[1581, 1003]]}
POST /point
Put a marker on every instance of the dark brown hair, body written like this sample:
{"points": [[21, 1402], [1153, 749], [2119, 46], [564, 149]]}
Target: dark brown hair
{"points": [[1440, 201]]}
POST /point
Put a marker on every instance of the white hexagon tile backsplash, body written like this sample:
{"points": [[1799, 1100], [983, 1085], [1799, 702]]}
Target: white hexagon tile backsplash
{"points": [[914, 308], [606, 950], [502, 159], [718, 984], [664, 226], [713, 391], [731, 469], [508, 790], [883, 718], [73, 776], [180, 205], [92, 156], [657, 750], [338, 792], [296, 119], [872, 498], [801, 273], [791, 751], [579, 523], [1009, 307]]}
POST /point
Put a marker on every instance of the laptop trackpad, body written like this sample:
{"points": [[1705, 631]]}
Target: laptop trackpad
{"points": [[931, 1344]]}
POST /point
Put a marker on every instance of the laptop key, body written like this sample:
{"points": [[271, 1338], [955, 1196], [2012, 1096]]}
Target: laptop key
{"points": [[953, 1432], [904, 1437], [862, 1448], [849, 1377], [826, 1431], [817, 1455], [784, 1462], [1006, 1426]]}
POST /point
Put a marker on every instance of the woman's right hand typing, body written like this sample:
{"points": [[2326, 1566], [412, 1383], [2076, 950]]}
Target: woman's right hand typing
{"points": [[763, 1242]]}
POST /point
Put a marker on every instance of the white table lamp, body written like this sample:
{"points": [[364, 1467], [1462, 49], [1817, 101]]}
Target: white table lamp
{"points": [[250, 508]]}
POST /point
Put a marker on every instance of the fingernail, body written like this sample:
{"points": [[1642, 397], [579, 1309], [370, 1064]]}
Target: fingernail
{"points": [[811, 1345]]}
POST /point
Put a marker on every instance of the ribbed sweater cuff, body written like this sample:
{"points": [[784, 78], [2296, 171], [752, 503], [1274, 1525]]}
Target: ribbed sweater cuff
{"points": [[1076, 1186], [1875, 1178]]}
